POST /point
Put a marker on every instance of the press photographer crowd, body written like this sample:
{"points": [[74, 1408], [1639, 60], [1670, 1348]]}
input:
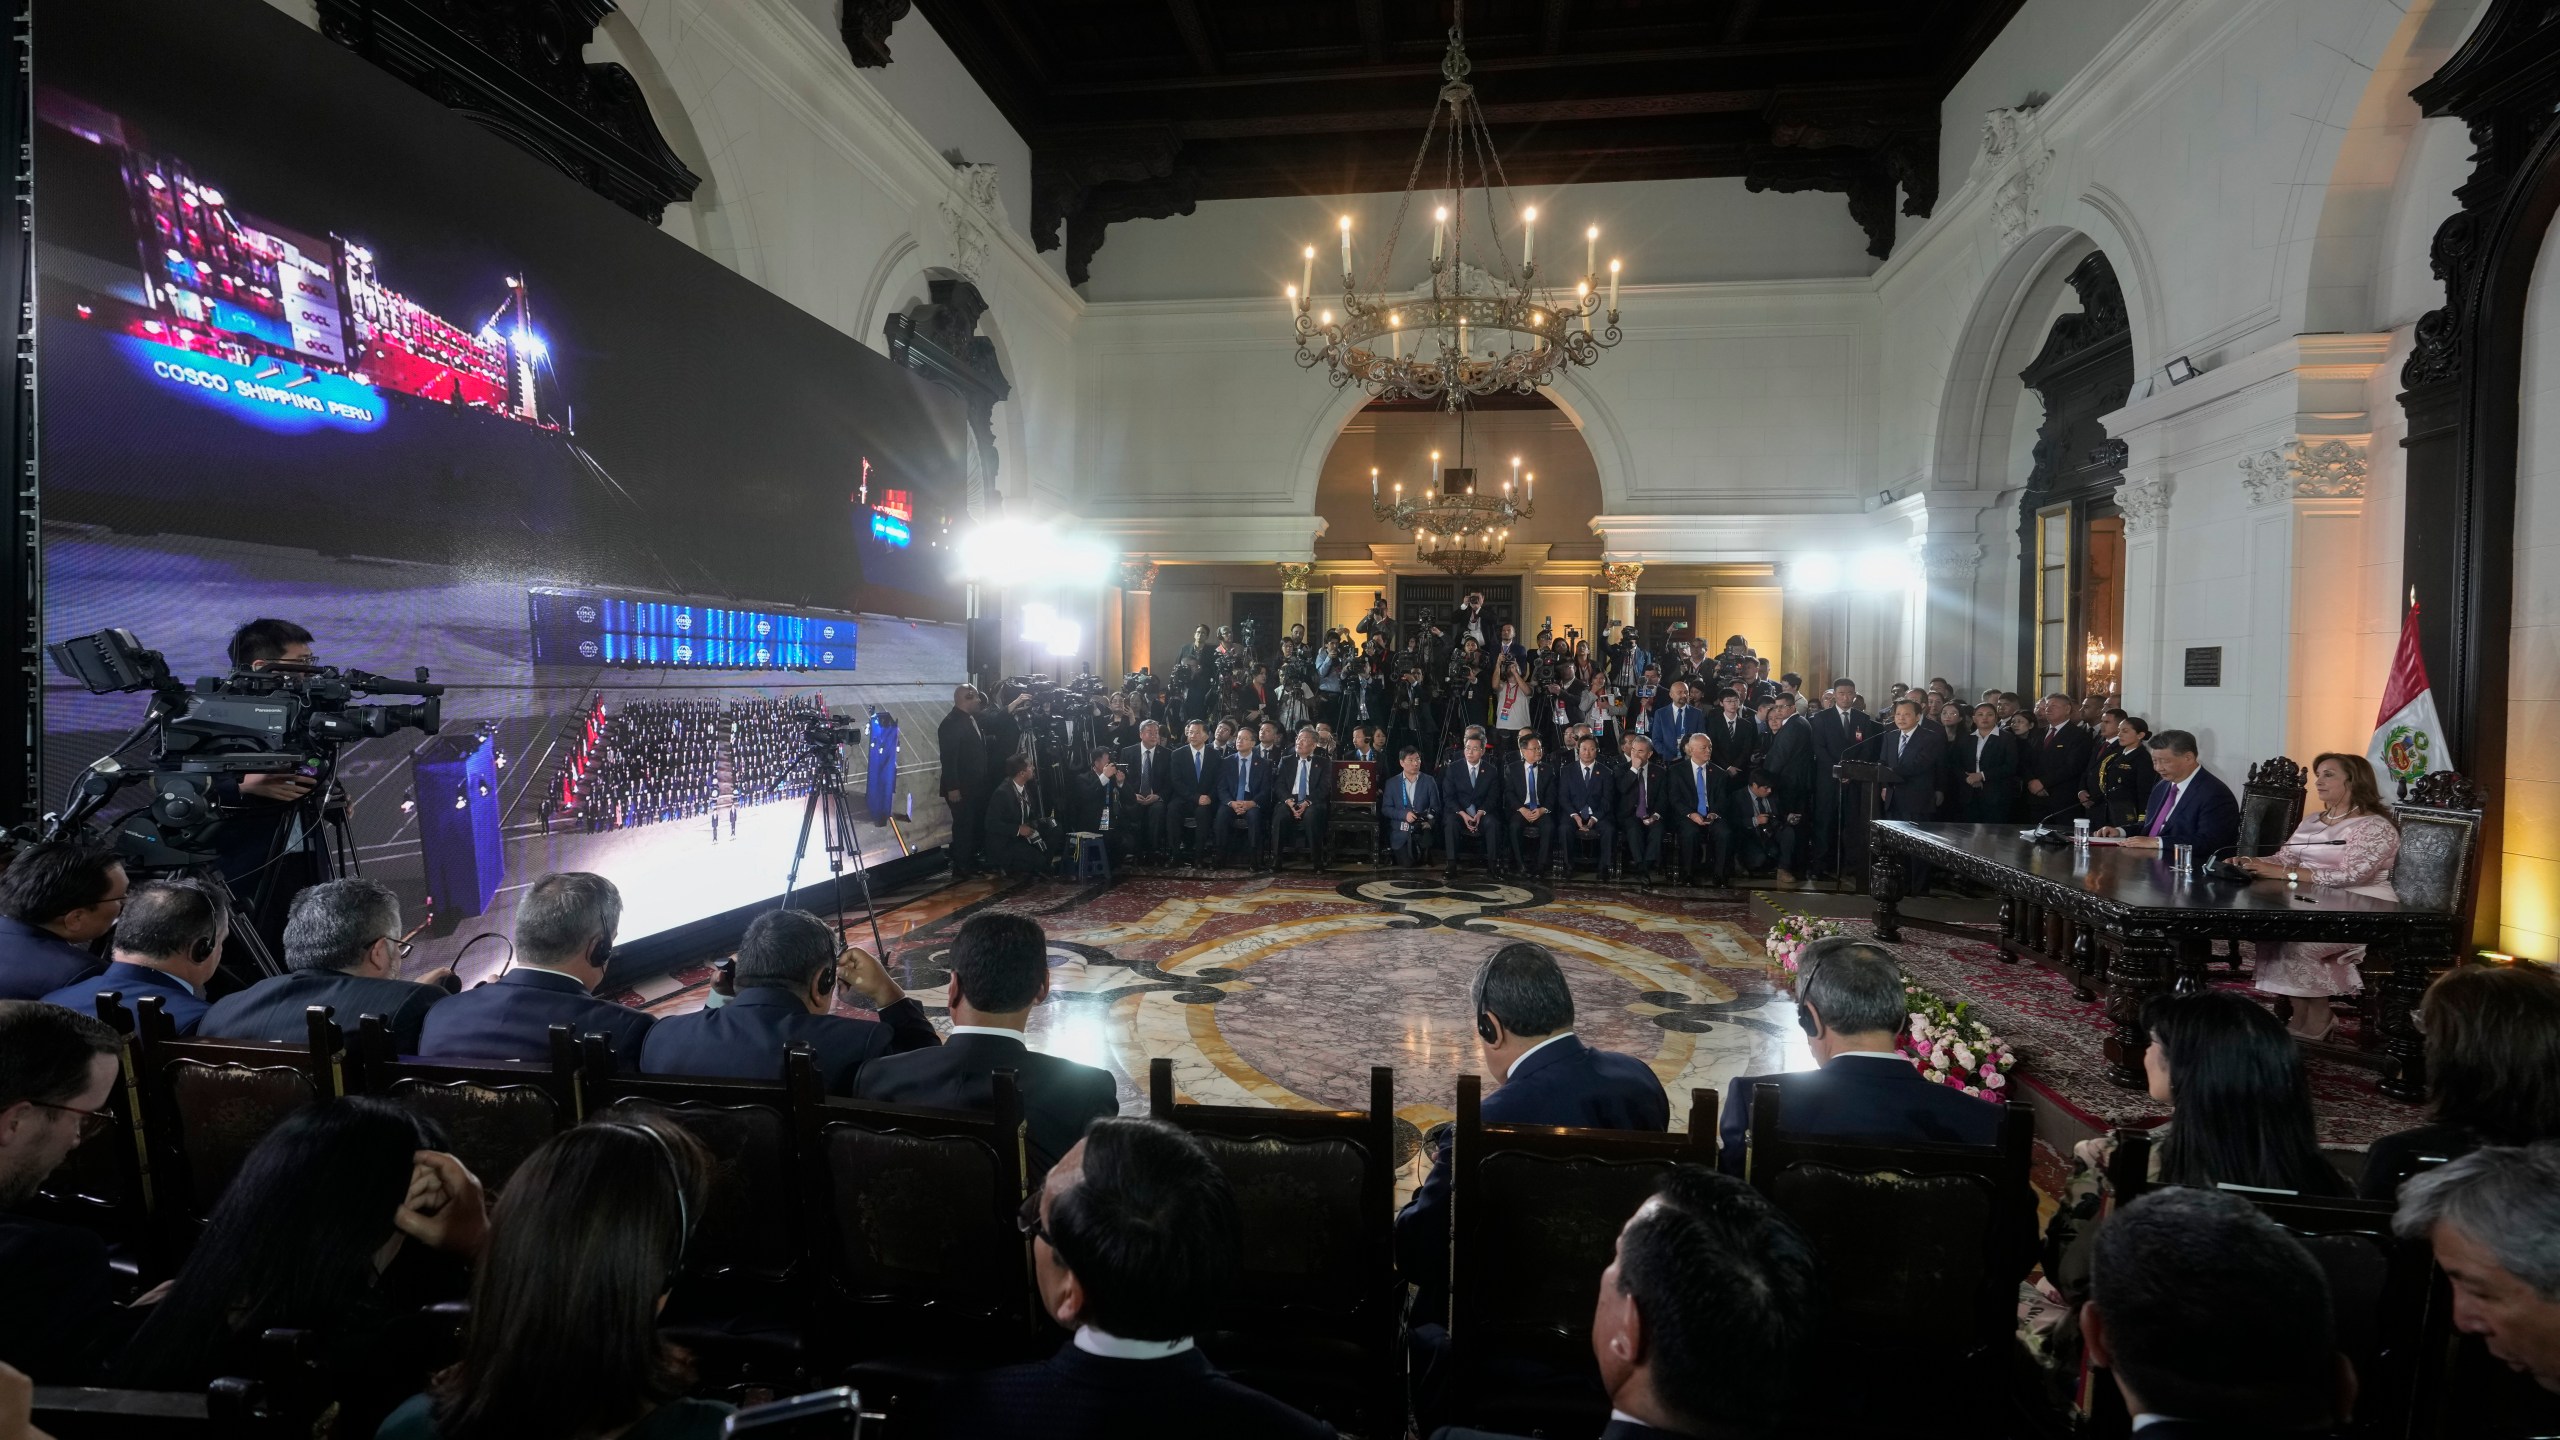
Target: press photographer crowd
{"points": [[1452, 739]]}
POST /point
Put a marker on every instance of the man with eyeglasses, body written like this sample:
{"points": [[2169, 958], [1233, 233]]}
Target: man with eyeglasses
{"points": [[342, 948], [56, 898], [57, 1069]]}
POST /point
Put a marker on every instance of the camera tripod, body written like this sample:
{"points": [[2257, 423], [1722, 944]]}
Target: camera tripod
{"points": [[826, 795]]}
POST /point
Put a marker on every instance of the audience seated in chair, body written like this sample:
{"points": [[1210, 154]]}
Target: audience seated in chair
{"points": [[1134, 1240], [2214, 1322], [999, 970], [790, 965], [586, 1242], [1410, 806], [1015, 841], [1705, 1318], [1547, 1076], [342, 949], [58, 1069], [2493, 1217], [1851, 1004], [314, 1234], [55, 898], [168, 942], [2493, 1070], [564, 935], [2189, 805]]}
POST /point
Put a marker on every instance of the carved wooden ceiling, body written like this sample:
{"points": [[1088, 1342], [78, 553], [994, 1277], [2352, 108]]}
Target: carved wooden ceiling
{"points": [[1142, 108]]}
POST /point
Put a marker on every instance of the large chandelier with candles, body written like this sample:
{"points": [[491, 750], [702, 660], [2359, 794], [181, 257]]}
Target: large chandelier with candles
{"points": [[1469, 328], [1456, 526]]}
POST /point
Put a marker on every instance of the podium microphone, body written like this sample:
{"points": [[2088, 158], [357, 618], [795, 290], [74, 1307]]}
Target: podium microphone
{"points": [[2221, 869], [2045, 836]]}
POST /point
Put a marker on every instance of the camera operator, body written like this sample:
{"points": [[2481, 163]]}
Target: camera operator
{"points": [[1364, 687], [966, 777], [1298, 677], [1469, 623], [1097, 803], [1377, 624], [269, 850], [1416, 717], [1017, 834], [1465, 687]]}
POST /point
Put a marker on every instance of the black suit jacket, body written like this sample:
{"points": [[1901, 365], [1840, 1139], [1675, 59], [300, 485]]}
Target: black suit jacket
{"points": [[2058, 756], [1655, 783], [1832, 738], [1160, 777], [1997, 799], [2207, 816], [510, 1018], [1191, 781], [1284, 780], [36, 962], [1484, 792], [272, 1008], [1914, 792], [1733, 742], [1059, 1097], [963, 749], [1234, 783], [745, 1038], [1790, 759], [1087, 795], [1599, 794], [1073, 1395], [1008, 810], [1853, 1098]]}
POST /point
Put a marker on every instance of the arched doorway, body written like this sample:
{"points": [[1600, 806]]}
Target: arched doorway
{"points": [[2070, 530]]}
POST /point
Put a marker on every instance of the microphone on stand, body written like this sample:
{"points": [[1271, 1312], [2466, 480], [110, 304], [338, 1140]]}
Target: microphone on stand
{"points": [[2221, 869], [2045, 836]]}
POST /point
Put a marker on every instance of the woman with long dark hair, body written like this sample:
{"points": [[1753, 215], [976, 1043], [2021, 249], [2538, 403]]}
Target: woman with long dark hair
{"points": [[2493, 1071], [2352, 842], [315, 1233], [563, 1343], [2239, 1097]]}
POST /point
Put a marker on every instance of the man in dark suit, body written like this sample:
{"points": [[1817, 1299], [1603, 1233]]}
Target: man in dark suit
{"points": [[1244, 799], [1545, 1076], [1410, 807], [56, 899], [2189, 806], [1195, 790], [1644, 799], [1912, 753], [1733, 740], [1471, 806], [1790, 757], [1531, 790], [966, 777], [2057, 756], [342, 949], [1135, 1248], [999, 970], [1705, 1314], [1764, 837], [1155, 814], [2215, 1323], [1302, 797], [790, 966], [1839, 728], [1697, 795], [60, 1069], [1015, 838], [564, 935], [1851, 1005], [1985, 767], [168, 943], [1096, 801], [1589, 808]]}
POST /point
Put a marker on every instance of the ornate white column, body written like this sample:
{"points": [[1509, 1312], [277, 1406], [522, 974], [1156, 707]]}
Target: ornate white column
{"points": [[1293, 593], [2306, 506], [1137, 605], [1620, 576], [1950, 562], [2144, 499]]}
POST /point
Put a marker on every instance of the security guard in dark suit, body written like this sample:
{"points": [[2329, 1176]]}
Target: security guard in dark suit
{"points": [[564, 937], [790, 966]]}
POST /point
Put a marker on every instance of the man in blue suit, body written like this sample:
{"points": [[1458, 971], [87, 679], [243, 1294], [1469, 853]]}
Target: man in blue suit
{"points": [[55, 898], [168, 943], [1410, 806], [1471, 801], [1671, 725], [564, 936], [342, 949], [1544, 1074], [1851, 1005], [1244, 798], [2189, 805], [1530, 790], [790, 965]]}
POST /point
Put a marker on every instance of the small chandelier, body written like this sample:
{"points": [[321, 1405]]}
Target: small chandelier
{"points": [[1456, 527], [1468, 329]]}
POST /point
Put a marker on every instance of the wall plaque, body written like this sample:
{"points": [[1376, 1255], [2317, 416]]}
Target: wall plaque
{"points": [[2204, 667]]}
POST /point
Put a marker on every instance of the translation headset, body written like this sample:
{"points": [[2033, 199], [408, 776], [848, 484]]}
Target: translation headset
{"points": [[1486, 1030], [675, 1178]]}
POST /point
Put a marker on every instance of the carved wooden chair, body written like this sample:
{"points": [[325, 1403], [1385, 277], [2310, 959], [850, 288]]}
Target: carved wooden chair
{"points": [[494, 1113], [1534, 1217], [104, 1183], [1314, 1317], [205, 1104], [1351, 822], [2439, 845]]}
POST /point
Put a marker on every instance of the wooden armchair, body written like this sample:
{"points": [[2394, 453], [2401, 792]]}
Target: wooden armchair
{"points": [[205, 1104], [2439, 845], [494, 1113]]}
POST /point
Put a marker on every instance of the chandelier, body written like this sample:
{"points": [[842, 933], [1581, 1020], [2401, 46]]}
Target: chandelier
{"points": [[1467, 329], [1455, 526]]}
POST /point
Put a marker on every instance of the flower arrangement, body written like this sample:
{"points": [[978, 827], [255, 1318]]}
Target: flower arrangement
{"points": [[1954, 1049], [1787, 940]]}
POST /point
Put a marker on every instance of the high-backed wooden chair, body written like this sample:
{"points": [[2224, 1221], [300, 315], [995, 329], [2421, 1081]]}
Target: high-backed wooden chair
{"points": [[2271, 802], [1351, 823], [104, 1183], [1535, 1212], [2439, 845], [917, 1266], [494, 1112], [205, 1104], [1315, 1315], [1922, 1249]]}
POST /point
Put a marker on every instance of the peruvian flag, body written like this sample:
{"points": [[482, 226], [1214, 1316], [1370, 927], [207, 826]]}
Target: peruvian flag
{"points": [[2408, 739]]}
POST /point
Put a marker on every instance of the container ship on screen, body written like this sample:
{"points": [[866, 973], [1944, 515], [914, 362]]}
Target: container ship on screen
{"points": [[263, 316]]}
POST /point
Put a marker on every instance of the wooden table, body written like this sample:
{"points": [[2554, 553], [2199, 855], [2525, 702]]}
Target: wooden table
{"points": [[2133, 898]]}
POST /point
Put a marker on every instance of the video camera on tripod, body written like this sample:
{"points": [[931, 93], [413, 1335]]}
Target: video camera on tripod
{"points": [[286, 719]]}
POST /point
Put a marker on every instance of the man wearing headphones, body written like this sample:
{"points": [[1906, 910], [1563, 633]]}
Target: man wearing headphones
{"points": [[790, 966], [1851, 1005], [168, 942], [1544, 1075]]}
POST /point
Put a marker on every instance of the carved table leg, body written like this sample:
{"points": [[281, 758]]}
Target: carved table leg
{"points": [[2009, 928], [2193, 956], [2412, 965], [1884, 882], [2085, 960], [2140, 972]]}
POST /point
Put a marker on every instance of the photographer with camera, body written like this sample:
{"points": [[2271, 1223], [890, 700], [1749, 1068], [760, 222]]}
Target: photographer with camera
{"points": [[1096, 803], [1377, 624], [1017, 834], [1416, 716], [1364, 688]]}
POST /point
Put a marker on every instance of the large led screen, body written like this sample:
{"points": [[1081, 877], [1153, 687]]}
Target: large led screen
{"points": [[314, 347]]}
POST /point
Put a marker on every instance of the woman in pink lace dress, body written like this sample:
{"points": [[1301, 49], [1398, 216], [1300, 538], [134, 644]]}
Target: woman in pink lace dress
{"points": [[2367, 843]]}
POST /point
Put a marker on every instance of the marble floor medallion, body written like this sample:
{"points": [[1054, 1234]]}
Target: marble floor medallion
{"points": [[1285, 990]]}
